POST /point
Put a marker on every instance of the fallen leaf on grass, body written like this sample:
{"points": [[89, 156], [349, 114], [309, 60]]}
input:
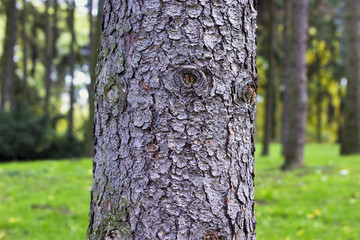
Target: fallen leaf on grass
{"points": [[14, 220]]}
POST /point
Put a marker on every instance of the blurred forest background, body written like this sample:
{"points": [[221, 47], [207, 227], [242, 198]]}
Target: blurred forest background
{"points": [[48, 57], [48, 50]]}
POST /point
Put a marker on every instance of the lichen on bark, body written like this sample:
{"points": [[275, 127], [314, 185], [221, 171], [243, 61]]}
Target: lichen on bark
{"points": [[174, 121]]}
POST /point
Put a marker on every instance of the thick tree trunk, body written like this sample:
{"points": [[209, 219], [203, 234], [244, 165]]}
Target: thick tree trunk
{"points": [[174, 121], [7, 62], [350, 140], [297, 87], [270, 90]]}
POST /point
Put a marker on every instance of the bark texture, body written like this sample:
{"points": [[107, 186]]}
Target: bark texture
{"points": [[350, 140], [297, 86], [174, 121]]}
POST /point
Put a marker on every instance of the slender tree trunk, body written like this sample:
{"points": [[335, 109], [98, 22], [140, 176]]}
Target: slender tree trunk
{"points": [[174, 121], [48, 55], [270, 91], [55, 30], [297, 88], [318, 76], [7, 62], [88, 134], [285, 117], [94, 44], [319, 109], [350, 141], [72, 68], [25, 50], [13, 90]]}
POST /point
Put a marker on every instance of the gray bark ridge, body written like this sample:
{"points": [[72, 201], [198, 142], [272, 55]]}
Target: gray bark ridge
{"points": [[174, 121]]}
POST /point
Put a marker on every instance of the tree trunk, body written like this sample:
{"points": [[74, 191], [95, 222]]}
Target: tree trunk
{"points": [[270, 90], [72, 68], [7, 62], [48, 55], [350, 140], [297, 87], [93, 46], [285, 116], [25, 49], [319, 103], [174, 121]]}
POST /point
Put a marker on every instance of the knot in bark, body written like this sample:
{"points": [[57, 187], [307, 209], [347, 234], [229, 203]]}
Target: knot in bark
{"points": [[188, 82], [246, 94]]}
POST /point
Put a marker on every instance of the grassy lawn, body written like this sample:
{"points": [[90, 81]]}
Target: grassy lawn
{"points": [[45, 200], [320, 201], [49, 200]]}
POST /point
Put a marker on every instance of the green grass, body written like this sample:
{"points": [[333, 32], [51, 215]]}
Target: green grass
{"points": [[319, 201], [45, 200], [49, 200]]}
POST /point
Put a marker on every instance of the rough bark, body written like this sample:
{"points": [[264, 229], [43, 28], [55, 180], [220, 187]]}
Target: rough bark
{"points": [[350, 140], [174, 121], [270, 87], [297, 86], [7, 62]]}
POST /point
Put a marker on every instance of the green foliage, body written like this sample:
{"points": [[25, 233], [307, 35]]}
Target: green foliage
{"points": [[63, 146], [24, 135], [19, 135]]}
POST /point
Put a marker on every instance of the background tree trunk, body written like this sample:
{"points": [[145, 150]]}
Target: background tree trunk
{"points": [[95, 33], [297, 88], [7, 62], [285, 116], [72, 68], [25, 49], [270, 88], [48, 55], [174, 121], [350, 140]]}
